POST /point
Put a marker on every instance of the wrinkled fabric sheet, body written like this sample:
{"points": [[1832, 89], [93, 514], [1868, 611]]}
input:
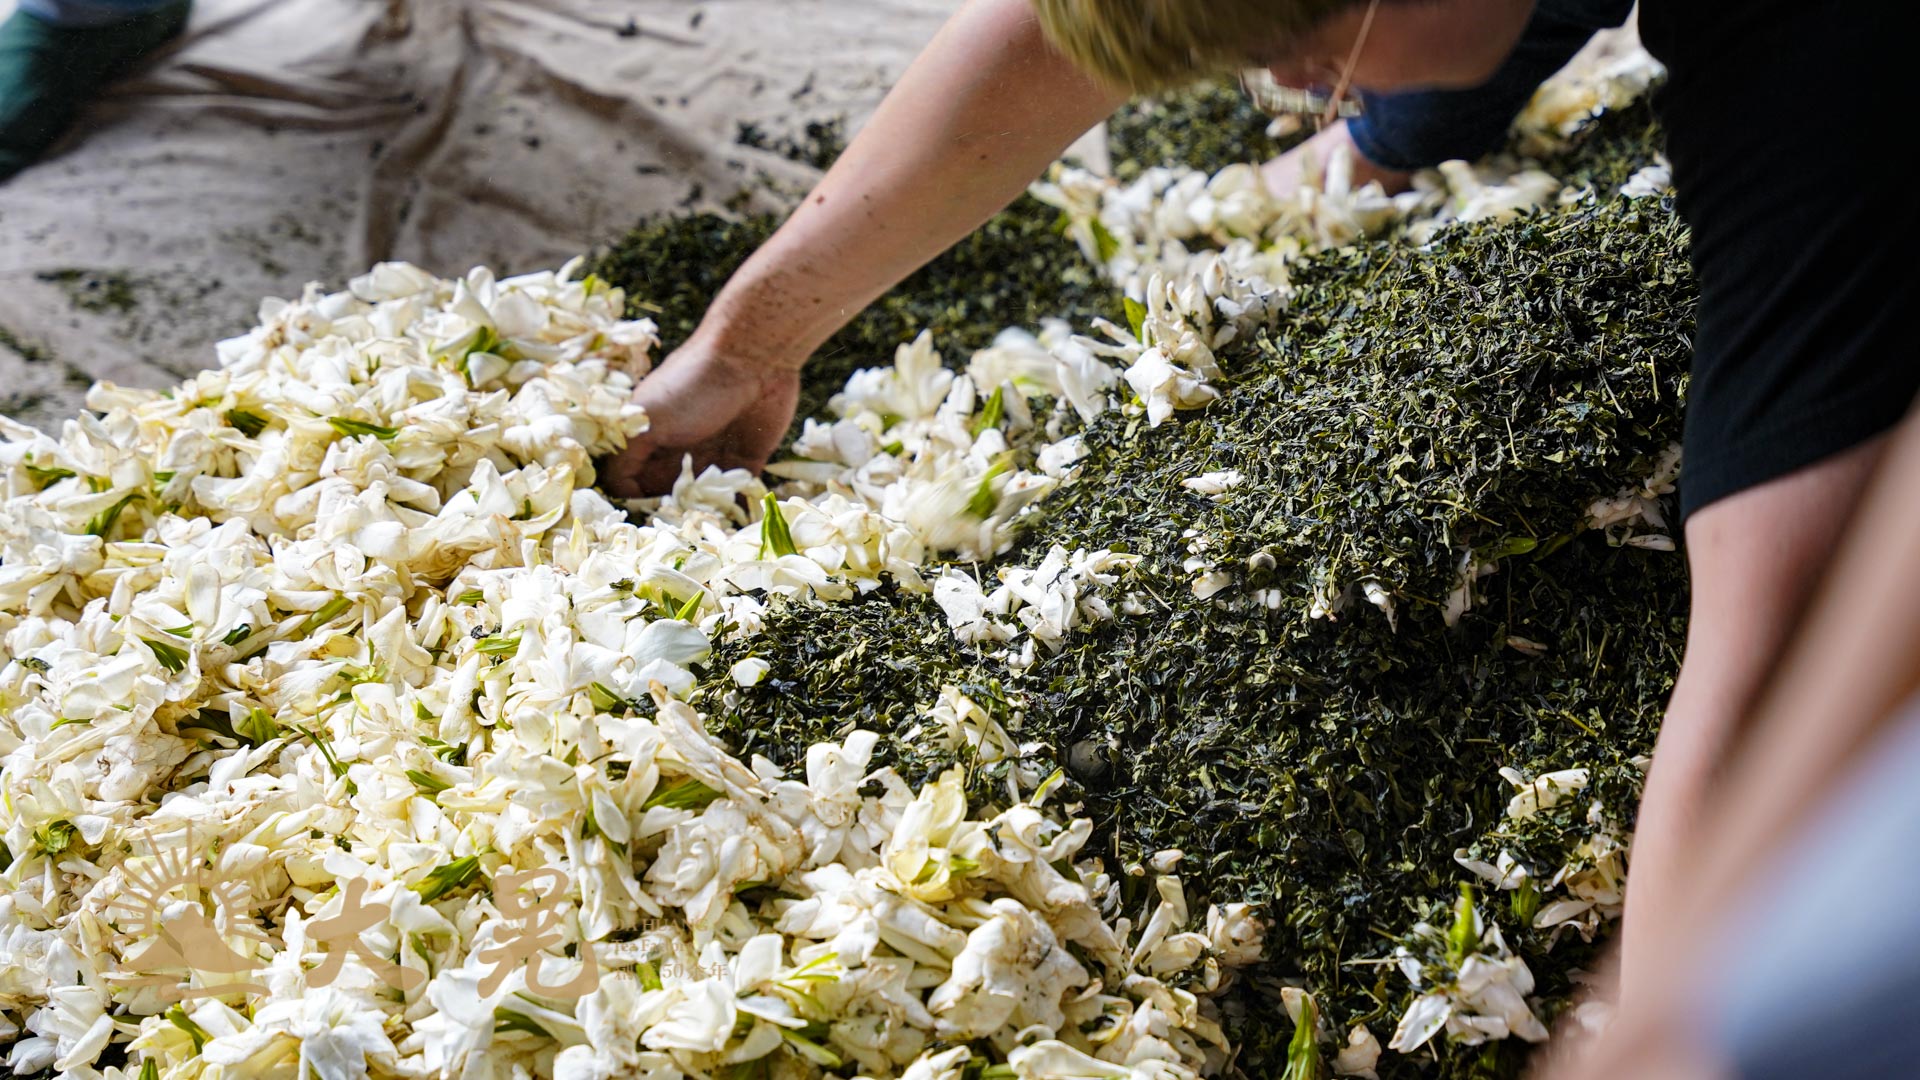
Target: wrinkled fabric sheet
{"points": [[288, 141]]}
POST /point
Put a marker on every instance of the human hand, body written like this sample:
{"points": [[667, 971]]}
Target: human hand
{"points": [[1283, 174], [714, 404]]}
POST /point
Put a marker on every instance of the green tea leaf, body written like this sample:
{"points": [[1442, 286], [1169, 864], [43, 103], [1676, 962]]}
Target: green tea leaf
{"points": [[774, 535], [505, 1019], [685, 793], [452, 877], [1136, 318], [247, 423], [355, 428], [171, 657]]}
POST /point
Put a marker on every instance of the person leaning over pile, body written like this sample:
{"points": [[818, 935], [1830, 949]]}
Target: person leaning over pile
{"points": [[1802, 244]]}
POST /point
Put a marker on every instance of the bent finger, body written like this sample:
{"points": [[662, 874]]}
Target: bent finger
{"points": [[619, 474]]}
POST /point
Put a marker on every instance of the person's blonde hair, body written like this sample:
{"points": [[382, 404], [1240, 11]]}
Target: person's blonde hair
{"points": [[1145, 45]]}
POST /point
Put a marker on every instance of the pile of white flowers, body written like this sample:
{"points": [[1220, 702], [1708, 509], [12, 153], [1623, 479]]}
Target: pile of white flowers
{"points": [[1170, 219], [336, 699], [1618, 75]]}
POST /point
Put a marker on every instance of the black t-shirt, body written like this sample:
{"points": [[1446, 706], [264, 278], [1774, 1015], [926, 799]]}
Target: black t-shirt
{"points": [[1782, 130]]}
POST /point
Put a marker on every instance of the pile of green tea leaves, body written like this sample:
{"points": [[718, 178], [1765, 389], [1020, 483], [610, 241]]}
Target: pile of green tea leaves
{"points": [[1413, 405], [1206, 126]]}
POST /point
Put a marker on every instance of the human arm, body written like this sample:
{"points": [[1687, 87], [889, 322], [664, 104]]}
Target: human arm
{"points": [[1838, 688], [985, 108]]}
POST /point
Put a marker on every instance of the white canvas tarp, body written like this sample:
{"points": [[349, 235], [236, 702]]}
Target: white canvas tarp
{"points": [[287, 141]]}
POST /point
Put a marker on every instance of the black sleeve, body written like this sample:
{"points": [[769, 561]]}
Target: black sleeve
{"points": [[1782, 132]]}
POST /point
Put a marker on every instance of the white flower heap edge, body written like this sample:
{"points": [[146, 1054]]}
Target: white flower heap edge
{"points": [[343, 732]]}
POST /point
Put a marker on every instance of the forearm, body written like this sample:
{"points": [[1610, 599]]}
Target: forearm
{"points": [[1836, 688], [975, 119], [1853, 662]]}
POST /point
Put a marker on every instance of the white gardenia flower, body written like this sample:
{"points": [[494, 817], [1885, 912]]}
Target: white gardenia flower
{"points": [[1542, 792], [1359, 1056], [1165, 386], [69, 1034], [1649, 182], [339, 1036], [1054, 1060], [1623, 515], [1479, 196], [1461, 598], [749, 672], [1381, 597], [1214, 485], [1041, 604], [969, 611]]}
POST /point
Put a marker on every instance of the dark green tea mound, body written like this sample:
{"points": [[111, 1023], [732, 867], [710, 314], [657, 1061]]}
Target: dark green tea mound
{"points": [[1413, 405], [1207, 126]]}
